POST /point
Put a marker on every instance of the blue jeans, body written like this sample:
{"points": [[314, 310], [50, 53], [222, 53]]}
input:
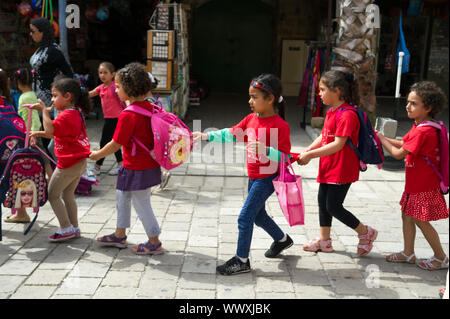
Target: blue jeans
{"points": [[254, 212]]}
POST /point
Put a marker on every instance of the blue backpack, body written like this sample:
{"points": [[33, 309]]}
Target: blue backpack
{"points": [[369, 149]]}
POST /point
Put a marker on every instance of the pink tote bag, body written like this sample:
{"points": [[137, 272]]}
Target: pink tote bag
{"points": [[288, 188]]}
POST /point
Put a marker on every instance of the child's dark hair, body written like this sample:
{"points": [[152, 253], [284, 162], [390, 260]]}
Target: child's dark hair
{"points": [[134, 79], [24, 76], [345, 82], [80, 96], [270, 84], [4, 85], [432, 96], [108, 65]]}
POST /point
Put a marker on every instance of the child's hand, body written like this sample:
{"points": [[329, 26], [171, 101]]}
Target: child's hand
{"points": [[304, 158], [379, 134], [34, 134], [38, 106], [258, 148], [94, 156], [200, 136]]}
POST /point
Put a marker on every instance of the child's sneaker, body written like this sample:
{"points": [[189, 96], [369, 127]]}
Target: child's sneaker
{"points": [[114, 171], [234, 266], [94, 170], [319, 245], [57, 237], [277, 247]]}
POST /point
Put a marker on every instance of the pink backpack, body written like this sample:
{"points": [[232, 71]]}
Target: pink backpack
{"points": [[442, 172], [173, 140]]}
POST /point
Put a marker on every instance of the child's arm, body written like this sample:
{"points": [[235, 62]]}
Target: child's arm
{"points": [[325, 150], [47, 121], [393, 147], [315, 144], [220, 136], [93, 93], [108, 149], [34, 134]]}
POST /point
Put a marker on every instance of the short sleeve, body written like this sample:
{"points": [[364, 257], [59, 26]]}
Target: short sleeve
{"points": [[60, 124], [413, 142], [347, 124], [124, 129]]}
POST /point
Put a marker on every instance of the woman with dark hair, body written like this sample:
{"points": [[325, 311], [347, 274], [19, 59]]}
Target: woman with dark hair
{"points": [[48, 60]]}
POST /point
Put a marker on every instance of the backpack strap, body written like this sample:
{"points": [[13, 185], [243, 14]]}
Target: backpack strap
{"points": [[431, 123], [349, 141], [139, 110]]}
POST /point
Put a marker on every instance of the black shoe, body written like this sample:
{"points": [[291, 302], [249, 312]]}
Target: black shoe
{"points": [[234, 266], [277, 247]]}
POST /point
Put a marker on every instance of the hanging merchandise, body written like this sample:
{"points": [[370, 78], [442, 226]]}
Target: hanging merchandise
{"points": [[315, 99], [24, 9], [103, 13], [46, 8], [36, 4], [414, 8], [91, 13], [389, 64], [302, 99], [402, 48]]}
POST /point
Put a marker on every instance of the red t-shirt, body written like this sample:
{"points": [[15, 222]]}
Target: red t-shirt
{"points": [[71, 141], [133, 124], [419, 176], [341, 167], [111, 104], [272, 131]]}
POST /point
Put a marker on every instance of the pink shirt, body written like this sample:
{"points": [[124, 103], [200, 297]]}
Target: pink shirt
{"points": [[111, 104]]}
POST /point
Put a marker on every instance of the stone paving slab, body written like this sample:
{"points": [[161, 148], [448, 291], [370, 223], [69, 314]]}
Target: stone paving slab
{"points": [[198, 213]]}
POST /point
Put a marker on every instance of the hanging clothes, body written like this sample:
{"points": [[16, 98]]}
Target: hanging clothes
{"points": [[315, 97], [302, 99]]}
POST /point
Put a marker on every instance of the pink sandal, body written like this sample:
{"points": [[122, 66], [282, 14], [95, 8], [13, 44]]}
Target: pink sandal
{"points": [[319, 245], [370, 236]]}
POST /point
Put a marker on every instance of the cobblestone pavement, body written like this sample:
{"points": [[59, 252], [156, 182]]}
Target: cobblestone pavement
{"points": [[198, 215]]}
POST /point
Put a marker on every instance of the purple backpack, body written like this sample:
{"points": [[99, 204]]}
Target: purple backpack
{"points": [[23, 182], [442, 171], [172, 139], [369, 148]]}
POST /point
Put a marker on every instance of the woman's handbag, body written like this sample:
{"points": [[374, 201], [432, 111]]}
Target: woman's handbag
{"points": [[288, 188]]}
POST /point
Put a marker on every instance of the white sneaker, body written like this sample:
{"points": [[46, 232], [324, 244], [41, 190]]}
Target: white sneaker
{"points": [[114, 171], [94, 170]]}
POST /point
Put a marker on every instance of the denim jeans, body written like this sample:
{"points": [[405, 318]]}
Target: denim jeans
{"points": [[254, 212]]}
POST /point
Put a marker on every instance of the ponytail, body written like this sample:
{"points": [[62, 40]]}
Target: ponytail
{"points": [[80, 95], [345, 82]]}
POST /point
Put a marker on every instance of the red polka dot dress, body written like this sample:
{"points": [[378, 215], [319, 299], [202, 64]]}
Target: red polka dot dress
{"points": [[422, 198]]}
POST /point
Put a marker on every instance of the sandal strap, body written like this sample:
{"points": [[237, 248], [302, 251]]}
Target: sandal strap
{"points": [[112, 238], [149, 246]]}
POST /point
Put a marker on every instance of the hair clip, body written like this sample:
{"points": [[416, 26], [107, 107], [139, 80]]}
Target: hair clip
{"points": [[32, 71], [18, 72], [280, 99]]}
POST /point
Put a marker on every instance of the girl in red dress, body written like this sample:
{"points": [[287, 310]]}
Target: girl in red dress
{"points": [[421, 201]]}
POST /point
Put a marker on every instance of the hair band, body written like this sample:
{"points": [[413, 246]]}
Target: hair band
{"points": [[280, 99]]}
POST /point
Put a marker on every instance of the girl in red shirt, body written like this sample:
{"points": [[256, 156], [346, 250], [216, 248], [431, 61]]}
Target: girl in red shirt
{"points": [[422, 200], [139, 171], [112, 107], [71, 148], [267, 134], [339, 164]]}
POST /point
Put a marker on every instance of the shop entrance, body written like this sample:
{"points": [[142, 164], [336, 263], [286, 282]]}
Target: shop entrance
{"points": [[231, 43]]}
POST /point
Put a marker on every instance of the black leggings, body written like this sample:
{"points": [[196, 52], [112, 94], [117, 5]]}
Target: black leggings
{"points": [[107, 134], [331, 197]]}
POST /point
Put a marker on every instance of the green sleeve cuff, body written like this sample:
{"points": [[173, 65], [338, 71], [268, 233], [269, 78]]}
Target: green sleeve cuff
{"points": [[221, 136], [274, 154]]}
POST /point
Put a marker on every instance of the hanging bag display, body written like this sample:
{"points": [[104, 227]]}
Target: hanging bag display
{"points": [[402, 48], [288, 188]]}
